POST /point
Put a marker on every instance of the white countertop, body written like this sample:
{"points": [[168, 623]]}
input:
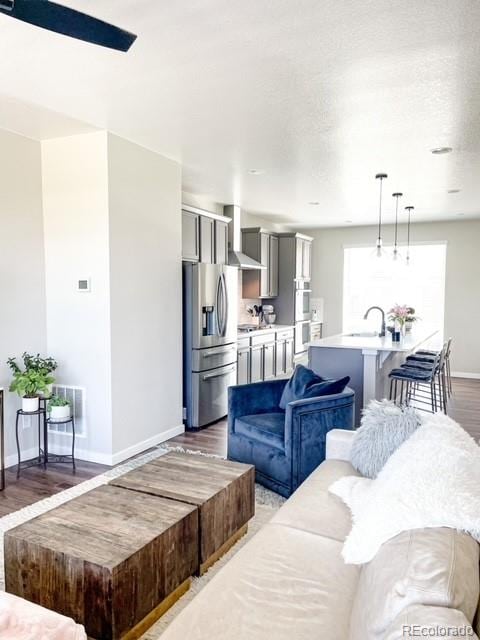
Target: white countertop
{"points": [[271, 329], [410, 342]]}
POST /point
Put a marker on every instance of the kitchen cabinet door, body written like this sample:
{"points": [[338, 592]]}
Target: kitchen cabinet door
{"points": [[269, 361], [273, 266], [221, 242], [243, 366], [256, 364], [190, 236], [265, 260], [280, 358], [207, 239], [289, 356], [299, 258], [306, 259]]}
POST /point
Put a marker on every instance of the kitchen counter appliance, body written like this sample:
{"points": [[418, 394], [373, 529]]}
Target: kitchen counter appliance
{"points": [[210, 335]]}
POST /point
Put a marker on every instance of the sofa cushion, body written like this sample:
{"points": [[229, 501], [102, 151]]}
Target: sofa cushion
{"points": [[384, 427], [284, 584], [312, 508], [432, 567], [304, 383], [438, 623], [268, 428]]}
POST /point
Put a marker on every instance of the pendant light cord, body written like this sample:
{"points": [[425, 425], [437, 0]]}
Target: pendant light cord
{"points": [[380, 211], [396, 222]]}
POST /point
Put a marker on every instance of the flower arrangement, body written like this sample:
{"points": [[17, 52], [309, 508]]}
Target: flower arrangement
{"points": [[399, 313]]}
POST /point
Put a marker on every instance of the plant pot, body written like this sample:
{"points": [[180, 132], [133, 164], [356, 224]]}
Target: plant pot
{"points": [[60, 413], [29, 405]]}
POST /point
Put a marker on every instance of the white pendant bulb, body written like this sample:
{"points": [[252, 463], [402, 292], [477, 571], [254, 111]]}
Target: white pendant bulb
{"points": [[396, 253], [409, 210], [379, 250]]}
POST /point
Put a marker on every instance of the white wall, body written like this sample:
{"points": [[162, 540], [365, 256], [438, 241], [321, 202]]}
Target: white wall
{"points": [[146, 300], [462, 295], [22, 277], [75, 202]]}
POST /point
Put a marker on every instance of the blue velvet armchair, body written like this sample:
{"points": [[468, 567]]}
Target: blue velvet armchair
{"points": [[285, 446]]}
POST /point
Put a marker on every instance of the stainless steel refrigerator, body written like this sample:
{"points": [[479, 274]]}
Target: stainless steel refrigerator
{"points": [[209, 340]]}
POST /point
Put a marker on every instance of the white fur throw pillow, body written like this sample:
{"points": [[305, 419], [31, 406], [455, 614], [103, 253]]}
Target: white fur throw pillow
{"points": [[384, 427], [431, 480]]}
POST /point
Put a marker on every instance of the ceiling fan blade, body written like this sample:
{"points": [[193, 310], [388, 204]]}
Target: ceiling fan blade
{"points": [[68, 22]]}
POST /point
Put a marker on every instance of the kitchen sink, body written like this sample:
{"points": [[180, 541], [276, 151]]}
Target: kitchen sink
{"points": [[362, 334]]}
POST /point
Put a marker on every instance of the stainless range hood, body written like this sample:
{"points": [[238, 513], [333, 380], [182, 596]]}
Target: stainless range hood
{"points": [[235, 256]]}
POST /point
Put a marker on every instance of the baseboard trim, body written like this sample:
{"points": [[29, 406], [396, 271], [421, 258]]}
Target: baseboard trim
{"points": [[120, 456], [12, 459], [465, 374]]}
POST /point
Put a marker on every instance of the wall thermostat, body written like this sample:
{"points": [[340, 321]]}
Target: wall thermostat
{"points": [[84, 285]]}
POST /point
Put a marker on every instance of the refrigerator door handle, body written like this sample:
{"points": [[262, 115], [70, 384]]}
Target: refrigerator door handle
{"points": [[209, 376], [225, 305], [217, 306]]}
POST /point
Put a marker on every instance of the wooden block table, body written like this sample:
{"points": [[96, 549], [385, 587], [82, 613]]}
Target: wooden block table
{"points": [[111, 559], [223, 491]]}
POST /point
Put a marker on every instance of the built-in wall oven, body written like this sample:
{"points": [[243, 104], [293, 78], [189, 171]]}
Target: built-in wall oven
{"points": [[302, 336], [302, 301]]}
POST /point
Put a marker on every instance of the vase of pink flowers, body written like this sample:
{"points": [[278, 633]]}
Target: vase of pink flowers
{"points": [[398, 314]]}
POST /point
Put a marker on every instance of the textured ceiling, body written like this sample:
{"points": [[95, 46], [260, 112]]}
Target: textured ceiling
{"points": [[316, 95]]}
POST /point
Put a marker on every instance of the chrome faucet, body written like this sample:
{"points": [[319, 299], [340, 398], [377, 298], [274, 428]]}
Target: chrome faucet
{"points": [[382, 330]]}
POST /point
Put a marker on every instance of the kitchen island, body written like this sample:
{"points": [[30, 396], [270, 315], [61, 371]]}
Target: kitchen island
{"points": [[367, 360]]}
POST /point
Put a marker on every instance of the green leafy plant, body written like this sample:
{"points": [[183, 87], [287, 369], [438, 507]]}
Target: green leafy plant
{"points": [[34, 378], [411, 317], [57, 401]]}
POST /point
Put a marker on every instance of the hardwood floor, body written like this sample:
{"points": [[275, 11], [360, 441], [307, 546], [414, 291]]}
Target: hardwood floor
{"points": [[36, 484]]}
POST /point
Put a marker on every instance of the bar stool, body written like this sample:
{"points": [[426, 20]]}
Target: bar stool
{"points": [[422, 375], [448, 369]]}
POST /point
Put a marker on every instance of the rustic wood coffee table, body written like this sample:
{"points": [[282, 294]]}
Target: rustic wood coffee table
{"points": [[111, 559], [223, 491]]}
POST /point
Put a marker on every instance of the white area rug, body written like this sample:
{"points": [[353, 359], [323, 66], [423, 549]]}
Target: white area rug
{"points": [[266, 503]]}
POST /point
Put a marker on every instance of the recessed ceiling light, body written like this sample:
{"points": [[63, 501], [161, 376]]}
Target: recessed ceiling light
{"points": [[453, 191], [438, 151], [256, 172], [314, 203]]}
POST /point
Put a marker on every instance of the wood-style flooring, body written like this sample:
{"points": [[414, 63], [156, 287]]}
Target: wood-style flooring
{"points": [[36, 484]]}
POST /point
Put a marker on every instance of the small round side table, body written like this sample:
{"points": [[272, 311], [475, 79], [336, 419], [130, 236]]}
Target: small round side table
{"points": [[41, 458], [54, 458]]}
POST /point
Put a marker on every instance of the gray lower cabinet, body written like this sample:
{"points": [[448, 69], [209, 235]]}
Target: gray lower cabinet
{"points": [[243, 366], [269, 361], [256, 363], [265, 357]]}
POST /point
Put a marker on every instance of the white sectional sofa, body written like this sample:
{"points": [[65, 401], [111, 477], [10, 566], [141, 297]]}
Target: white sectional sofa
{"points": [[289, 582]]}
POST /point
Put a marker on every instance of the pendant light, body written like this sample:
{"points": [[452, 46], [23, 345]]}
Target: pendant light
{"points": [[396, 254], [409, 211], [379, 246]]}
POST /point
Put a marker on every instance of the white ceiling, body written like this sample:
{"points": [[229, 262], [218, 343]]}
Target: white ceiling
{"points": [[319, 95]]}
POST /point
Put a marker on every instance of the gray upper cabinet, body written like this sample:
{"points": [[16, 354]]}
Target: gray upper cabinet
{"points": [[263, 247], [190, 236], [207, 240], [221, 242], [303, 259], [204, 236]]}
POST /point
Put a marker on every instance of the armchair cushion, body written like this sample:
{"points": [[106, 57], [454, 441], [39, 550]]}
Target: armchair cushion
{"points": [[304, 383], [268, 428]]}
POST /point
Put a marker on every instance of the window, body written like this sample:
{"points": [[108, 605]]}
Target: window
{"points": [[368, 280]]}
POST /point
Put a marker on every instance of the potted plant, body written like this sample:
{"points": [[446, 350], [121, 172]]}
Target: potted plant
{"points": [[410, 319], [59, 408], [31, 381]]}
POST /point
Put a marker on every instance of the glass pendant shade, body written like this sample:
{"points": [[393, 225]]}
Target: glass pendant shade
{"points": [[409, 211], [379, 250], [396, 253]]}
